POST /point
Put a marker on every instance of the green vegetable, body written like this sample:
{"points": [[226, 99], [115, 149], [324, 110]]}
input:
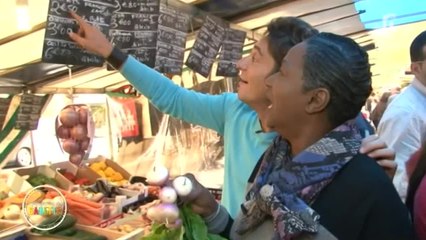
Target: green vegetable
{"points": [[50, 181], [67, 232], [161, 232], [193, 228], [68, 222], [49, 222], [66, 229], [40, 179]]}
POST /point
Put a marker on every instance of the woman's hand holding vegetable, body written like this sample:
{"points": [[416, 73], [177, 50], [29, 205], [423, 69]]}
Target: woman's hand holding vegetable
{"points": [[200, 199]]}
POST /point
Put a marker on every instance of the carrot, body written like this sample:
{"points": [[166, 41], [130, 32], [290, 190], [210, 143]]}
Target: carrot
{"points": [[51, 195], [84, 213], [84, 217], [78, 205], [83, 201], [80, 199], [85, 210], [21, 194]]}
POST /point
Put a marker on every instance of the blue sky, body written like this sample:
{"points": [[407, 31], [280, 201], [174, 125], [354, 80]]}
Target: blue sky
{"points": [[385, 13]]}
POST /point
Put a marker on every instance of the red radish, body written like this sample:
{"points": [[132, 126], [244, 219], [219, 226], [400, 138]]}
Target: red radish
{"points": [[63, 132], [158, 175], [163, 213], [79, 132], [168, 195], [70, 146], [83, 113], [182, 185], [153, 214], [69, 117]]}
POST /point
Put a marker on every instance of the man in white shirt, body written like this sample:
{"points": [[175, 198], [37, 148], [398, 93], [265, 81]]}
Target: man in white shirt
{"points": [[403, 125]]}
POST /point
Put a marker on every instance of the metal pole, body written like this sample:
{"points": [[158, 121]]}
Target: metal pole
{"points": [[229, 84]]}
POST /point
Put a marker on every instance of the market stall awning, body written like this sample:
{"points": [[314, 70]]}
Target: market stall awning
{"points": [[23, 49]]}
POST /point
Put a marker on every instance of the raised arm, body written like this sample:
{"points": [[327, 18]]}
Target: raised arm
{"points": [[203, 109]]}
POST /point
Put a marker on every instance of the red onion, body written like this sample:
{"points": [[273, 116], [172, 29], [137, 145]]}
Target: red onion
{"points": [[70, 146], [63, 132], [69, 117], [83, 114], [77, 158], [84, 144], [79, 132]]}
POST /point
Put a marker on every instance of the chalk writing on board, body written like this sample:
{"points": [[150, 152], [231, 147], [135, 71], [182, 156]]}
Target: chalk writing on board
{"points": [[4, 107], [57, 46], [29, 111], [232, 51], [206, 46], [134, 29], [171, 40]]}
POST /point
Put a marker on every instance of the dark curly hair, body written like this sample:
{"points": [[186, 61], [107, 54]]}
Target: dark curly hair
{"points": [[285, 32]]}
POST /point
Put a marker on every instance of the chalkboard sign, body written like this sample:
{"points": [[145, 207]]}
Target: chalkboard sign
{"points": [[206, 46], [29, 111], [4, 107], [134, 29], [232, 51], [57, 46], [171, 40]]}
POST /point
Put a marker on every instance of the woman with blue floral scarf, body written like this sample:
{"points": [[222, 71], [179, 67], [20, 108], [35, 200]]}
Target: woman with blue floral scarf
{"points": [[312, 182]]}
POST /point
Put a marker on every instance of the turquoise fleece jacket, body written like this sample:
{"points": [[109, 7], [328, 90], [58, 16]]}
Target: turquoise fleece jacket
{"points": [[244, 141]]}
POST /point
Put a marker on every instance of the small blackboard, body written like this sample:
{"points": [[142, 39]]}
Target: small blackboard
{"points": [[232, 51], [206, 46], [171, 40], [57, 46], [134, 29], [29, 111], [4, 107]]}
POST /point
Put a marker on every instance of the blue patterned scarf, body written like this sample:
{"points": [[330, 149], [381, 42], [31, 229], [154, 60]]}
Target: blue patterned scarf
{"points": [[285, 187]]}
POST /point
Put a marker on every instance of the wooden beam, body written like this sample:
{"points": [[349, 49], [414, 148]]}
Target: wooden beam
{"points": [[18, 35], [47, 90], [11, 90]]}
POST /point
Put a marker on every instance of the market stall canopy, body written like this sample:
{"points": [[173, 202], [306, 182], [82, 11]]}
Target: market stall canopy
{"points": [[22, 69]]}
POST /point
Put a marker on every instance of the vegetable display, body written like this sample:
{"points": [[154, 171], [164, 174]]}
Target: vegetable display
{"points": [[40, 179], [193, 228], [67, 229], [72, 178], [105, 171], [165, 211], [86, 211]]}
